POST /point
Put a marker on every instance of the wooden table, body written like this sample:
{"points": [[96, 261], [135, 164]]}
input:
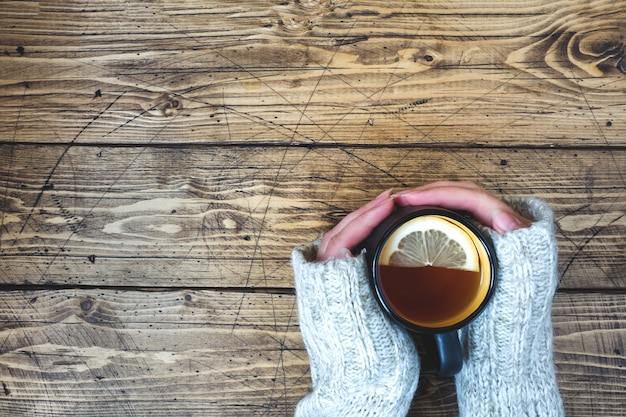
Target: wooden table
{"points": [[159, 160]]}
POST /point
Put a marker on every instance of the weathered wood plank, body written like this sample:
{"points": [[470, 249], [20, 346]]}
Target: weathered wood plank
{"points": [[104, 353], [209, 217], [315, 72], [373, 95], [222, 353], [590, 339]]}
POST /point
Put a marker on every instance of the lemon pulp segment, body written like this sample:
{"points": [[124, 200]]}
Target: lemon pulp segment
{"points": [[431, 240]]}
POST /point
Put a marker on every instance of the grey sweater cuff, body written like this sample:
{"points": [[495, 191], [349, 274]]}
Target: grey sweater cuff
{"points": [[509, 369], [362, 364]]}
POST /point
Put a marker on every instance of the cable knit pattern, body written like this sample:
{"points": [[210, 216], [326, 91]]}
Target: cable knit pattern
{"points": [[361, 363], [364, 365], [509, 369]]}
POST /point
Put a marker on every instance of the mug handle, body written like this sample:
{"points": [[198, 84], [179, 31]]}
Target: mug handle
{"points": [[450, 353]]}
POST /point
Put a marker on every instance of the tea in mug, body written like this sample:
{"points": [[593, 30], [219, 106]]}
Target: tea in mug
{"points": [[433, 272], [429, 295]]}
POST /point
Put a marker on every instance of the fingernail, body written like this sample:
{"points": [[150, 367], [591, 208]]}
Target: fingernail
{"points": [[382, 197], [385, 194], [504, 222], [398, 198]]}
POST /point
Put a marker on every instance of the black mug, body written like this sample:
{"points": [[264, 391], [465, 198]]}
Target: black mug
{"points": [[433, 272]]}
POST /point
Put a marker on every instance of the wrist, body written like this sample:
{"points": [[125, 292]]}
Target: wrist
{"points": [[362, 364], [484, 392], [509, 369]]}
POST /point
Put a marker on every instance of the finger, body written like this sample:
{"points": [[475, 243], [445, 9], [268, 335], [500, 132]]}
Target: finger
{"points": [[355, 229], [385, 195], [350, 222], [485, 207], [355, 232]]}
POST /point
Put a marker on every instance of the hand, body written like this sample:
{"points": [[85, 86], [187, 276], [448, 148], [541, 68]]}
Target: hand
{"points": [[508, 369], [466, 196], [356, 226]]}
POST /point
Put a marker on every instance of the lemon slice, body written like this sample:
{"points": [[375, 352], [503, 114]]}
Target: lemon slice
{"points": [[431, 241]]}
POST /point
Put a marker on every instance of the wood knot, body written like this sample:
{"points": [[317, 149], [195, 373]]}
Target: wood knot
{"points": [[86, 305], [424, 56], [171, 106], [219, 223], [166, 104], [295, 24], [302, 15], [599, 52], [579, 56]]}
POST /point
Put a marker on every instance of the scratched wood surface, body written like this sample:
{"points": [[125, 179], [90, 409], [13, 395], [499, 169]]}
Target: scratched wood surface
{"points": [[158, 161]]}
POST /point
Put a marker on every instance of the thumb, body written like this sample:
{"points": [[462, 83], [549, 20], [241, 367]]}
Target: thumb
{"points": [[503, 221]]}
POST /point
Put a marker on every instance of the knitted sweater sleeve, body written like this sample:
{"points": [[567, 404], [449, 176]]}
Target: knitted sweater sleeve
{"points": [[364, 365], [509, 369], [361, 363]]}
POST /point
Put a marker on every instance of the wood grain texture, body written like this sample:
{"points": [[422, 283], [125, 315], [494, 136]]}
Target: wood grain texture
{"points": [[159, 161], [70, 352], [230, 216], [107, 353], [316, 72], [590, 335]]}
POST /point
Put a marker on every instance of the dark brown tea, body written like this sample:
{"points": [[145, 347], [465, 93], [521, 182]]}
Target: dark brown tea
{"points": [[430, 296]]}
